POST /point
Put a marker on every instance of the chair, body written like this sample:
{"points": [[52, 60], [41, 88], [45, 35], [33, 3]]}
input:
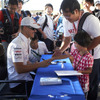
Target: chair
{"points": [[5, 92]]}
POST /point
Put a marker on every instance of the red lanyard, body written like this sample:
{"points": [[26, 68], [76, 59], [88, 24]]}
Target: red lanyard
{"points": [[76, 29], [80, 59]]}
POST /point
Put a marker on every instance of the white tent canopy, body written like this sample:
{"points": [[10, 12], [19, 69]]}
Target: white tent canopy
{"points": [[39, 4]]}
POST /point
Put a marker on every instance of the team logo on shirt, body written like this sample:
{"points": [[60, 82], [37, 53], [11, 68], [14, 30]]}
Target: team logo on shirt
{"points": [[71, 31], [18, 53]]}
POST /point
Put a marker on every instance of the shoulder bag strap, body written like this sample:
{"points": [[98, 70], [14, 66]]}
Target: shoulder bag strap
{"points": [[6, 15], [81, 22], [45, 23]]}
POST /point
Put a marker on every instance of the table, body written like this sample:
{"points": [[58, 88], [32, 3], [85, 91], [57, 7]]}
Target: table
{"points": [[70, 89]]}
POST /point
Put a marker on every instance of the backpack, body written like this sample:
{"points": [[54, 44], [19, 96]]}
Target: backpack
{"points": [[9, 27], [44, 25]]}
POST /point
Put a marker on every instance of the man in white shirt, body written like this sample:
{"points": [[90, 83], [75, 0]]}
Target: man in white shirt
{"points": [[72, 14], [18, 64]]}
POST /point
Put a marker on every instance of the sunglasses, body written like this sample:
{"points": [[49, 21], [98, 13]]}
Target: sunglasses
{"points": [[31, 28]]}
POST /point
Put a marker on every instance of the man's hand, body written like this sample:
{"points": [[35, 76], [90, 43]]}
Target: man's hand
{"points": [[57, 53], [46, 63]]}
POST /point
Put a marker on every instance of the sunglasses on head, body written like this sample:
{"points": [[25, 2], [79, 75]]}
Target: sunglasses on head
{"points": [[31, 28]]}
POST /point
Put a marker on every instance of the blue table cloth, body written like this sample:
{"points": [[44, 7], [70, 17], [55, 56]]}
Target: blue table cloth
{"points": [[70, 88]]}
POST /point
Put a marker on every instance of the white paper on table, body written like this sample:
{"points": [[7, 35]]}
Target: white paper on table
{"points": [[67, 73]]}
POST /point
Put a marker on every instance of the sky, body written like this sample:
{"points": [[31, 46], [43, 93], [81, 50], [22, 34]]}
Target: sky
{"points": [[39, 4]]}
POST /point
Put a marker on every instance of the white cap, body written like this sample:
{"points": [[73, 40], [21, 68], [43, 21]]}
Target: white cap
{"points": [[96, 2], [29, 21]]}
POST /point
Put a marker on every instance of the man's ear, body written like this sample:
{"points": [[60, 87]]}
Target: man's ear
{"points": [[76, 11]]}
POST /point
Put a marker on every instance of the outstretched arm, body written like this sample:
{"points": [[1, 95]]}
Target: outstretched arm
{"points": [[21, 68]]}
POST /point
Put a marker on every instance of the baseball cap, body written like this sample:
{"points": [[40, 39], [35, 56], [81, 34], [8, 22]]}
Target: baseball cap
{"points": [[96, 2], [29, 21]]}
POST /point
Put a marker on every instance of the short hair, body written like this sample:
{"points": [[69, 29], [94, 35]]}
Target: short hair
{"points": [[20, 1], [70, 4], [83, 38], [91, 1], [28, 12], [40, 13], [13, 2], [37, 13], [48, 5], [35, 37]]}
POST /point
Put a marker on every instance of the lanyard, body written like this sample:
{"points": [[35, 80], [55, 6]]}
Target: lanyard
{"points": [[80, 59], [76, 29], [32, 51], [36, 55]]}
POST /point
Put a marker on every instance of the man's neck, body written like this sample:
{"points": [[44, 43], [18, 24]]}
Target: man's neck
{"points": [[49, 14], [19, 11], [79, 16]]}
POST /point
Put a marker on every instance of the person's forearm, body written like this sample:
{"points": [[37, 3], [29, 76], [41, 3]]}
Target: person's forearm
{"points": [[56, 19], [44, 35], [21, 68], [62, 56], [94, 43], [65, 44]]}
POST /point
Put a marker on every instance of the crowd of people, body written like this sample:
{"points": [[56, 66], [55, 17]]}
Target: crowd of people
{"points": [[23, 39]]}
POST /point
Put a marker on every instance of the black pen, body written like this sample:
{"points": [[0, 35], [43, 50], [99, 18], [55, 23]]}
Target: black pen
{"points": [[43, 59]]}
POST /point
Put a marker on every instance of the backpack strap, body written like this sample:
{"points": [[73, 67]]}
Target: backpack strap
{"points": [[45, 23], [81, 22], [17, 15], [6, 15]]}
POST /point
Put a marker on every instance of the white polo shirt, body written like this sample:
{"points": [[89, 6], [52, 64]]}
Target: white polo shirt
{"points": [[91, 26], [48, 30], [18, 52], [42, 49]]}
